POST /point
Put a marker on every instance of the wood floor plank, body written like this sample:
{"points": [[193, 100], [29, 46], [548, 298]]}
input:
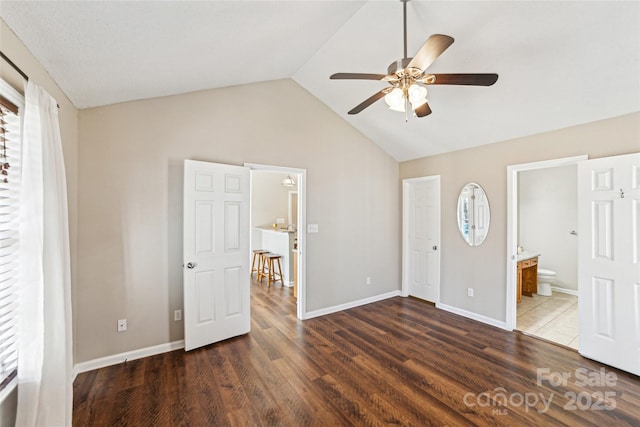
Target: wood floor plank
{"points": [[395, 362], [321, 412]]}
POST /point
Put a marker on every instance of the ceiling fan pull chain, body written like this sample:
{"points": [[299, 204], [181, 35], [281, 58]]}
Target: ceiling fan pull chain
{"points": [[406, 108]]}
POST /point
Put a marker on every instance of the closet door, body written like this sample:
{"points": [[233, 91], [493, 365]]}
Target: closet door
{"points": [[421, 238]]}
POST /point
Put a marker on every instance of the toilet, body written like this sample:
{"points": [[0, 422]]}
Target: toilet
{"points": [[545, 279]]}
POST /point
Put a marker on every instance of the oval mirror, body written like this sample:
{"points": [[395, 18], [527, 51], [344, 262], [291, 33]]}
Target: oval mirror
{"points": [[474, 215]]}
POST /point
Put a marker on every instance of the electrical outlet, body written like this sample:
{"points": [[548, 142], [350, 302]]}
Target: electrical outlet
{"points": [[122, 325], [177, 315], [470, 292], [279, 220], [368, 280]]}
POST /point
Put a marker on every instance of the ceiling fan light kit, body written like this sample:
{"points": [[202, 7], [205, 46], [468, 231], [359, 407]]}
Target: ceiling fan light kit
{"points": [[396, 99], [408, 80]]}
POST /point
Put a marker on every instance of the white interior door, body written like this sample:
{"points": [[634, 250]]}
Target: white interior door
{"points": [[421, 238], [608, 260], [216, 252]]}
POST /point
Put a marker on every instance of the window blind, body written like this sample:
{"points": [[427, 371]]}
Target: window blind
{"points": [[10, 150]]}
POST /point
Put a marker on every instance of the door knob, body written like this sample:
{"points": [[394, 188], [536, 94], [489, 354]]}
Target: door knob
{"points": [[191, 265], [435, 248]]}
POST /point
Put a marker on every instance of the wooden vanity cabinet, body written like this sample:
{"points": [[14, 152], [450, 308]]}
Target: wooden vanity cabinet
{"points": [[519, 290], [527, 277]]}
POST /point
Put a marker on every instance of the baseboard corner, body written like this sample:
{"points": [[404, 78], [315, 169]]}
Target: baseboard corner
{"points": [[352, 304], [473, 316]]}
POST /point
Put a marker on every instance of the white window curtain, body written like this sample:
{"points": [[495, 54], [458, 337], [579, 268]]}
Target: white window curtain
{"points": [[45, 387]]}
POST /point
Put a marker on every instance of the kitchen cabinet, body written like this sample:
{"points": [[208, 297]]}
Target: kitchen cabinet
{"points": [[277, 241]]}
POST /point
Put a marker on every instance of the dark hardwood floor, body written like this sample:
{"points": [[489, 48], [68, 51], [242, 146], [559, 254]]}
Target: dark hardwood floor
{"points": [[399, 361]]}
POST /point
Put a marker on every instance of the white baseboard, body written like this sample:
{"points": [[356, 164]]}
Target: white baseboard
{"points": [[473, 316], [352, 304], [564, 291], [103, 362]]}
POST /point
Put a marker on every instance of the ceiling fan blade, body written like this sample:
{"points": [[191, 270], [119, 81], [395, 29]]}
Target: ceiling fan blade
{"points": [[357, 76], [430, 51], [364, 104], [465, 79], [423, 110]]}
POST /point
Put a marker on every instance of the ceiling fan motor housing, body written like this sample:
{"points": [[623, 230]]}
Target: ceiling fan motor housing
{"points": [[398, 65]]}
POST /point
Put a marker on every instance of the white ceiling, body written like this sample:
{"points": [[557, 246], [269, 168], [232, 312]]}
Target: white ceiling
{"points": [[560, 63]]}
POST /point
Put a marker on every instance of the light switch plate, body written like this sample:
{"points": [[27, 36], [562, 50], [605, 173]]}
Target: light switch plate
{"points": [[312, 228]]}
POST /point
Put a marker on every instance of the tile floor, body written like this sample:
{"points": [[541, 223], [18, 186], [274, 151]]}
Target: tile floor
{"points": [[554, 318]]}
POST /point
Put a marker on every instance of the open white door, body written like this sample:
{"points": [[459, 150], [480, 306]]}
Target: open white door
{"points": [[608, 260], [421, 236], [216, 253]]}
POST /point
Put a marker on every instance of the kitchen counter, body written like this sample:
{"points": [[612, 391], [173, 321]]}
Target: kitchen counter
{"points": [[278, 241], [275, 230]]}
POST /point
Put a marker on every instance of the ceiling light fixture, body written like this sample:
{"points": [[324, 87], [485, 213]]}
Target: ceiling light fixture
{"points": [[288, 182], [408, 77], [397, 99]]}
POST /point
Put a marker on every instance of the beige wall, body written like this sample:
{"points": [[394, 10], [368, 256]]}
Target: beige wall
{"points": [[269, 199], [484, 267], [13, 48], [130, 193], [547, 213]]}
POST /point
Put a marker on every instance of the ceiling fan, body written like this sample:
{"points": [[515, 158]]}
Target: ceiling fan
{"points": [[408, 78]]}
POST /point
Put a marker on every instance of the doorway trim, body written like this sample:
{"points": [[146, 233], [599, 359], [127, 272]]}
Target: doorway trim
{"points": [[406, 184], [301, 176], [289, 208], [512, 226]]}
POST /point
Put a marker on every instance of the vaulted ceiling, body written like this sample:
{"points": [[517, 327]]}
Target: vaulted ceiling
{"points": [[560, 63]]}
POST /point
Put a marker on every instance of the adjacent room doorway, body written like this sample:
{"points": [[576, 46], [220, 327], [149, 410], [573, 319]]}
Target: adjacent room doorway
{"points": [[298, 217], [513, 172], [608, 260], [216, 249]]}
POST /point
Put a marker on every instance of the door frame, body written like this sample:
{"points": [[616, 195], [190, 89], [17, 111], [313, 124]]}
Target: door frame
{"points": [[301, 175], [406, 185], [512, 227]]}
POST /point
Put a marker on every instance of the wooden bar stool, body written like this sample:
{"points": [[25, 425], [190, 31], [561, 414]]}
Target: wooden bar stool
{"points": [[258, 255], [263, 266], [271, 273]]}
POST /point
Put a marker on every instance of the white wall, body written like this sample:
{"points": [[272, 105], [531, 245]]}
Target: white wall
{"points": [[130, 209], [484, 267], [547, 210]]}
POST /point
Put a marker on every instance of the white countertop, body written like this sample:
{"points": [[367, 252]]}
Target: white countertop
{"points": [[522, 256], [275, 230]]}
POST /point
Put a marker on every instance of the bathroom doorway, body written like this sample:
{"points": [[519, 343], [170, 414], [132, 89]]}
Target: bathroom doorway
{"points": [[542, 295]]}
